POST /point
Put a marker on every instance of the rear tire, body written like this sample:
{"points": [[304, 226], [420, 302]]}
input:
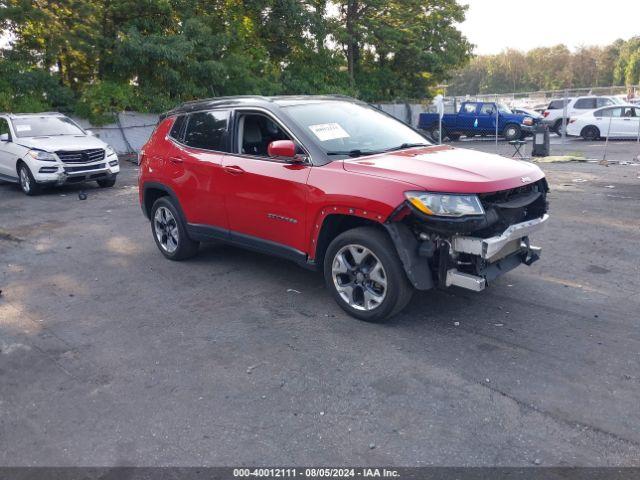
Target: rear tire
{"points": [[28, 184], [557, 127], [106, 182], [590, 133], [364, 262], [169, 231], [434, 132]]}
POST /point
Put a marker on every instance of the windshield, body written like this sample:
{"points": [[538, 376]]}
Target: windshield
{"points": [[502, 108], [345, 128], [45, 126]]}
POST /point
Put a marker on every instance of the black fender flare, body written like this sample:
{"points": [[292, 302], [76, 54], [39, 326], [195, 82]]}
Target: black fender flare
{"points": [[416, 267], [168, 190]]}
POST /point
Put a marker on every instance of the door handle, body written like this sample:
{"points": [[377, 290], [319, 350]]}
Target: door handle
{"points": [[233, 169], [176, 159]]}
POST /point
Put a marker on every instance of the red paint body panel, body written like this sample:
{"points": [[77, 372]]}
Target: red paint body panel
{"points": [[448, 170], [266, 199], [286, 203]]}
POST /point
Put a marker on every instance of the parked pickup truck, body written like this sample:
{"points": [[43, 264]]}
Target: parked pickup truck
{"points": [[478, 118], [339, 187]]}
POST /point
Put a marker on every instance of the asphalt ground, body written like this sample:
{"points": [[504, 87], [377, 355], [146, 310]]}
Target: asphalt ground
{"points": [[111, 355]]}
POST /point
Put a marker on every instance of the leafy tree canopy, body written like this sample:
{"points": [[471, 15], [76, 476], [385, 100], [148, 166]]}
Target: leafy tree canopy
{"points": [[553, 68], [95, 57]]}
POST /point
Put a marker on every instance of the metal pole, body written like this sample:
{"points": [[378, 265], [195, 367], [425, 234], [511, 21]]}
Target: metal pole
{"points": [[606, 143], [564, 117], [439, 128], [497, 121]]}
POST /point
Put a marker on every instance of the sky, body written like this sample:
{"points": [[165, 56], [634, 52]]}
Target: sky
{"points": [[493, 25]]}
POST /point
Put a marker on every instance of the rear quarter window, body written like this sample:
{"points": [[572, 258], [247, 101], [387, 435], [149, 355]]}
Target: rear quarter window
{"points": [[177, 130]]}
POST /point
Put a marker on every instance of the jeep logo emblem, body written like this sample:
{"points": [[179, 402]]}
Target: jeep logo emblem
{"points": [[525, 179]]}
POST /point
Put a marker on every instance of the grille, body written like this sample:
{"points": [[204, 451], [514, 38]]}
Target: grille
{"points": [[81, 156], [84, 168], [517, 205]]}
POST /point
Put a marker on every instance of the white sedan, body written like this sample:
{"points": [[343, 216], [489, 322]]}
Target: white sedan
{"points": [[620, 121]]}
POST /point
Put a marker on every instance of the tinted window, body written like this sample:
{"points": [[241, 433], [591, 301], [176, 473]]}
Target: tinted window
{"points": [[585, 104], [4, 128], [207, 130], [556, 105], [45, 126], [178, 127], [469, 108]]}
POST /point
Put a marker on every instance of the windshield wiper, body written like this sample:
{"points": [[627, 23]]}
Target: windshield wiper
{"points": [[356, 153], [406, 145]]}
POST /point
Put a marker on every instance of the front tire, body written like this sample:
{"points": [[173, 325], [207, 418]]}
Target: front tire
{"points": [[106, 182], [28, 184], [512, 132], [365, 276], [169, 231], [590, 133]]}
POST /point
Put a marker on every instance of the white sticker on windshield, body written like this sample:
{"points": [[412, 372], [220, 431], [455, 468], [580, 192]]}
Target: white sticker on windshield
{"points": [[23, 128], [328, 131]]}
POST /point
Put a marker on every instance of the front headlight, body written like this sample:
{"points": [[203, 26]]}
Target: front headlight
{"points": [[42, 156], [109, 151], [527, 121], [445, 205]]}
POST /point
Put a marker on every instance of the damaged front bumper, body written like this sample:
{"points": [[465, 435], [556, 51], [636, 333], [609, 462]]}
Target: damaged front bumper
{"points": [[465, 261], [485, 259]]}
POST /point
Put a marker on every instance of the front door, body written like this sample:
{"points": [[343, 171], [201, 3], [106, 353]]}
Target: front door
{"points": [[7, 154], [265, 197]]}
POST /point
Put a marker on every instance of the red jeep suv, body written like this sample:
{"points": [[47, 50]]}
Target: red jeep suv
{"points": [[339, 186]]}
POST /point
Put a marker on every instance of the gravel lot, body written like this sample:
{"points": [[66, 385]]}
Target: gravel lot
{"points": [[112, 355]]}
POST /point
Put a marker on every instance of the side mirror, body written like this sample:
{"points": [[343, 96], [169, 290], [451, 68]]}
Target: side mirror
{"points": [[4, 137], [90, 133], [282, 148]]}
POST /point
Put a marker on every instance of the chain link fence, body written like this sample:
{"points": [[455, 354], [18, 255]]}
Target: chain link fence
{"points": [[131, 130], [618, 134]]}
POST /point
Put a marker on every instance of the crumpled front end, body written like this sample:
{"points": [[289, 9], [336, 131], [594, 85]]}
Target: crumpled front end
{"points": [[471, 251]]}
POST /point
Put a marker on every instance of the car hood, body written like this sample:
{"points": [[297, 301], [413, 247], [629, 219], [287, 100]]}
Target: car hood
{"points": [[447, 169], [62, 142]]}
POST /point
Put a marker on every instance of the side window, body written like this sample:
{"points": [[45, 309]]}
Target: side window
{"points": [[207, 130], [487, 109], [585, 104], [470, 108], [610, 112], [604, 102], [5, 133], [628, 112], [177, 129], [256, 132]]}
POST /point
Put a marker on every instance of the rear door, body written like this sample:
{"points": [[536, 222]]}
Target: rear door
{"points": [[265, 197], [193, 161], [468, 118]]}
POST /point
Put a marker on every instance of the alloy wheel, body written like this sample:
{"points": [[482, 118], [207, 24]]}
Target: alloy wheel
{"points": [[25, 181], [359, 277], [166, 229]]}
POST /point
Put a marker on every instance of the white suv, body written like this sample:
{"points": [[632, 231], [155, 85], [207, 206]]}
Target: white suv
{"points": [[575, 106], [40, 149]]}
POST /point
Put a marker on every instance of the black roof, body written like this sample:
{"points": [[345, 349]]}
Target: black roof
{"points": [[252, 101]]}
